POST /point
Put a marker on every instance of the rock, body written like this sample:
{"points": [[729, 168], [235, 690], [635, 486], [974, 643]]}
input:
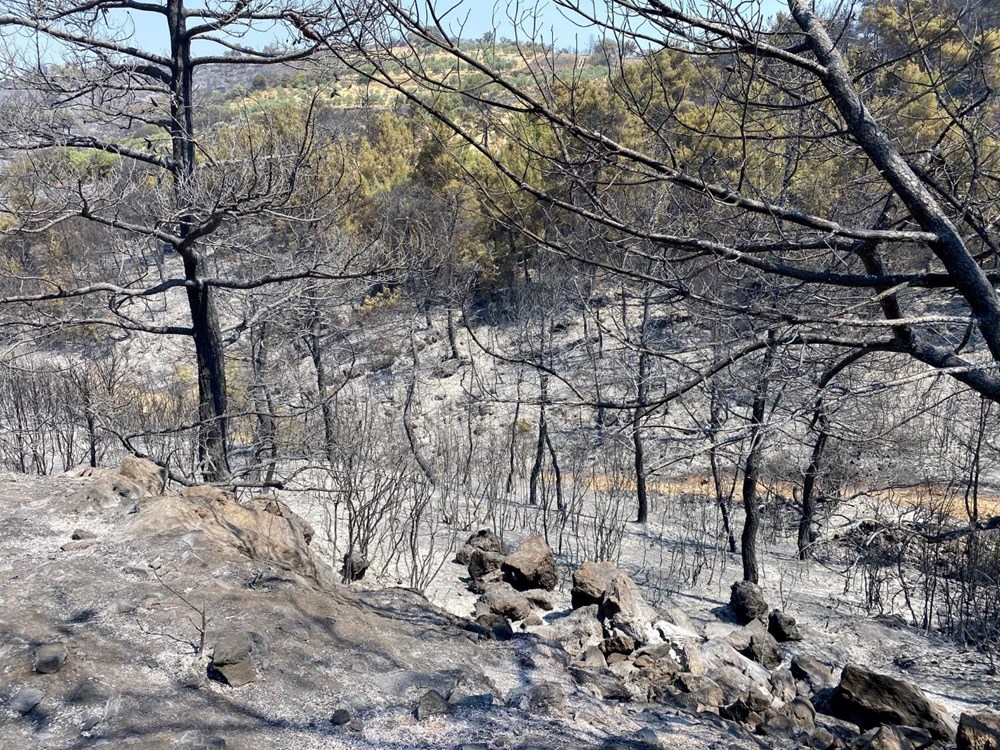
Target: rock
{"points": [[216, 521], [815, 674], [783, 685], [748, 709], [575, 631], [823, 739], [979, 731], [340, 717], [601, 682], [755, 643], [590, 581], [707, 694], [150, 477], [718, 657], [592, 658], [78, 545], [618, 644], [540, 599], [432, 704], [271, 504], [802, 715], [464, 554], [24, 700], [624, 612], [482, 563], [783, 627], [82, 534], [487, 541], [502, 600], [496, 625], [884, 738], [197, 740], [354, 567], [471, 694], [545, 697], [49, 658], [869, 699], [232, 659], [531, 566], [747, 602], [533, 621]]}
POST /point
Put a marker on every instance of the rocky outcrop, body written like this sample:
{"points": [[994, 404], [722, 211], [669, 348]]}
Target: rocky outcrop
{"points": [[531, 566], [870, 699], [205, 518]]}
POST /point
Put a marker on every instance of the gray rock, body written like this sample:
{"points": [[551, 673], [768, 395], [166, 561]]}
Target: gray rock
{"points": [[232, 659], [502, 600], [884, 738], [77, 546], [980, 731], [82, 534], [601, 682], [531, 566], [869, 700], [432, 703], [487, 541], [624, 612], [783, 685], [783, 627], [198, 740], [590, 581], [49, 658], [747, 602], [705, 692], [755, 643], [340, 717], [483, 563], [24, 700], [592, 658], [545, 697], [813, 673]]}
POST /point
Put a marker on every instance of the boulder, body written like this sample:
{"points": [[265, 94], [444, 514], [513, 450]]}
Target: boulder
{"points": [[747, 602], [496, 625], [783, 685], [540, 599], [49, 658], [232, 659], [432, 703], [979, 731], [501, 599], [816, 675], [576, 631], [274, 506], [206, 517], [783, 627], [756, 643], [717, 654], [487, 541], [590, 581], [705, 692], [624, 612], [884, 737], [150, 477], [482, 563], [354, 567], [544, 697], [869, 700], [531, 566]]}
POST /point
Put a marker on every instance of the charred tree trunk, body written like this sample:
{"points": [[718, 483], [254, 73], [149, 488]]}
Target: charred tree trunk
{"points": [[751, 472]]}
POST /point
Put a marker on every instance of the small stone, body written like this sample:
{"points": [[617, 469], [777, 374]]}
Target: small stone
{"points": [[82, 534], [197, 740], [432, 704], [25, 700], [90, 722], [340, 717], [49, 658]]}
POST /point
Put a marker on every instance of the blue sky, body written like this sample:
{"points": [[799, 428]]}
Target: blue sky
{"points": [[474, 17]]}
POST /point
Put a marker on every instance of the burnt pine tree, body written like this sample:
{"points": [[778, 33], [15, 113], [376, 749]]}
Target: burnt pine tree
{"points": [[78, 79]]}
